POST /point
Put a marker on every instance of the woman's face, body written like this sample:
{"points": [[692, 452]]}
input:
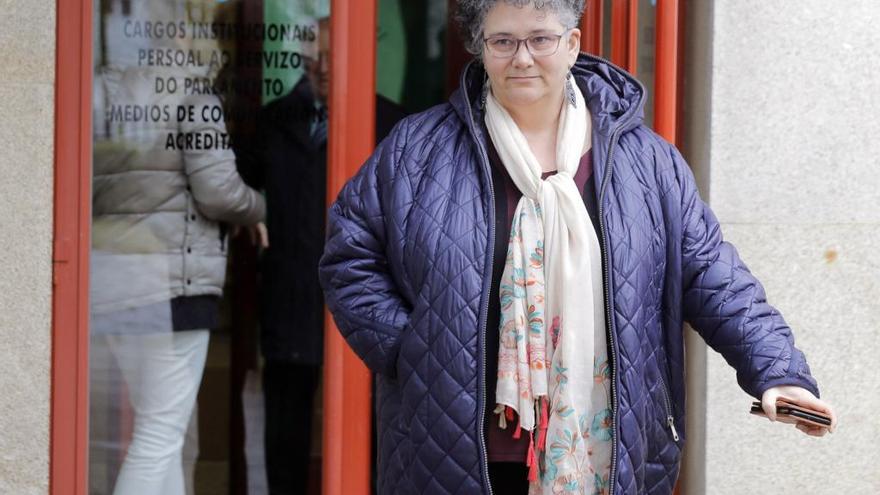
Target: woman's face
{"points": [[524, 80]]}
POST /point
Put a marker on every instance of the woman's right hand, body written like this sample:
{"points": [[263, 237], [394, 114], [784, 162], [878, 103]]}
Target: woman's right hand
{"points": [[257, 234], [802, 397]]}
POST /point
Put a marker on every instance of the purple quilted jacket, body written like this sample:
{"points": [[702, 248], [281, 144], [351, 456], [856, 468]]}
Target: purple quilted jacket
{"points": [[407, 267]]}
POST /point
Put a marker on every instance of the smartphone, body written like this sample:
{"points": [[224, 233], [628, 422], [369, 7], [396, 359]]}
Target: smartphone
{"points": [[787, 412]]}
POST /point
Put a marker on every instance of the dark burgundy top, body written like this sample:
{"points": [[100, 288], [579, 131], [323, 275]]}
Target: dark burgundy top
{"points": [[501, 445]]}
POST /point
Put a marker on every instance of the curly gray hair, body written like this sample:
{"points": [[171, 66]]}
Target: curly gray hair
{"points": [[471, 14]]}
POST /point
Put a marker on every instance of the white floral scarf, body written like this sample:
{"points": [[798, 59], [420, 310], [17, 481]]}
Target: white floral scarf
{"points": [[552, 363]]}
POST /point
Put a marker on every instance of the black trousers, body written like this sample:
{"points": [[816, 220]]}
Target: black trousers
{"points": [[509, 478], [289, 395]]}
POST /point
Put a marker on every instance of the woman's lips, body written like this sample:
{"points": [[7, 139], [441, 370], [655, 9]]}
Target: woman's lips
{"points": [[523, 79]]}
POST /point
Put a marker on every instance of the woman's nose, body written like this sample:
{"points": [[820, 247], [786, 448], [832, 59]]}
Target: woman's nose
{"points": [[522, 57]]}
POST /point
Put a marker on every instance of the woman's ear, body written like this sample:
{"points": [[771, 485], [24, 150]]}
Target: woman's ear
{"points": [[574, 44]]}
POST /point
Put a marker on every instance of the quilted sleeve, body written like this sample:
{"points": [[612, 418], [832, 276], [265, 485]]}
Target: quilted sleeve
{"points": [[354, 270], [727, 305]]}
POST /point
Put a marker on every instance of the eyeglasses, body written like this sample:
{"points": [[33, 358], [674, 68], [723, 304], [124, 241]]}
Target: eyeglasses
{"points": [[539, 45]]}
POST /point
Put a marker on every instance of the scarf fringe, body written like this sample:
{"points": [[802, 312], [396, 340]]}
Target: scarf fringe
{"points": [[506, 413], [532, 459], [542, 426], [502, 420]]}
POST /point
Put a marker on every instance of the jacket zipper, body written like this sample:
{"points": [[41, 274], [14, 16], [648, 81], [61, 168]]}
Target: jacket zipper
{"points": [[481, 420], [609, 315], [670, 419]]}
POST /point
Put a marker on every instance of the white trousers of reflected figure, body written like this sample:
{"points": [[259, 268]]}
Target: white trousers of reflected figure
{"points": [[162, 372]]}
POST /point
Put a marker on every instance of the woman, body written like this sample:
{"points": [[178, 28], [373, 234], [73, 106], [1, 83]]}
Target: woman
{"points": [[159, 251], [516, 267]]}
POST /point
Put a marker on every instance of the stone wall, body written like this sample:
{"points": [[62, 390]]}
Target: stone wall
{"points": [[27, 35], [794, 177]]}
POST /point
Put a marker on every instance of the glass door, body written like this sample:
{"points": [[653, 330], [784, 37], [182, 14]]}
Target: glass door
{"points": [[209, 137]]}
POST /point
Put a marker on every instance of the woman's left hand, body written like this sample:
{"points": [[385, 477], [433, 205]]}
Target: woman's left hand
{"points": [[802, 397]]}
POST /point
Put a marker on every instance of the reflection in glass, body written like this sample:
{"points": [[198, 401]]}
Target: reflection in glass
{"points": [[210, 117], [646, 52], [165, 189], [606, 27], [287, 158], [645, 46]]}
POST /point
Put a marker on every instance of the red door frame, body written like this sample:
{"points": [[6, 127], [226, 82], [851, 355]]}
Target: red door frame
{"points": [[624, 33], [70, 250], [667, 65], [591, 27], [347, 417]]}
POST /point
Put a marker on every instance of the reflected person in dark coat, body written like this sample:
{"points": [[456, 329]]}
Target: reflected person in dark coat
{"points": [[288, 159]]}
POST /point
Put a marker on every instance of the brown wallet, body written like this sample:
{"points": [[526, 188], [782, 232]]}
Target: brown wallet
{"points": [[788, 412]]}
